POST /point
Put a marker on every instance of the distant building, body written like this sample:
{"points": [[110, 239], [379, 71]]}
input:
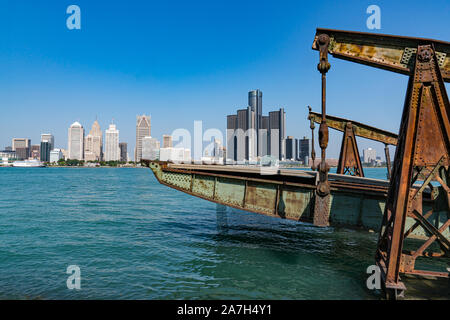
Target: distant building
{"points": [[174, 154], [304, 150], [217, 149], [250, 135], [36, 151], [167, 141], [231, 137], [45, 151], [55, 155], [143, 129], [123, 146], [277, 132], [8, 154], [49, 138], [65, 153], [76, 141], [329, 161], [22, 146], [291, 151], [112, 151], [255, 104], [150, 148], [93, 144], [369, 155]]}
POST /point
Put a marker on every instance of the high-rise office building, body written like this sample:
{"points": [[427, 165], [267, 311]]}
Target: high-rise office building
{"points": [[167, 141], [291, 151], [150, 148], [143, 129], [45, 151], [76, 141], [304, 150], [231, 137], [277, 133], [22, 146], [369, 155], [49, 138], [123, 146], [255, 102], [112, 151], [93, 144]]}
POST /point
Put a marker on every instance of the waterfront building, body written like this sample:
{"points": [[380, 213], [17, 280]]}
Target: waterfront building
{"points": [[217, 149], [250, 135], [93, 144], [35, 151], [150, 148], [45, 151], [65, 153], [49, 138], [231, 137], [22, 146], [76, 141], [174, 154], [167, 141], [112, 151], [276, 134], [143, 129], [123, 146], [304, 150], [55, 155], [291, 151], [255, 103], [8, 154], [369, 155]]}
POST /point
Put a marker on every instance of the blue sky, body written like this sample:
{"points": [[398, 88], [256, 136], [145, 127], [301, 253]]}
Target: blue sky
{"points": [[181, 61]]}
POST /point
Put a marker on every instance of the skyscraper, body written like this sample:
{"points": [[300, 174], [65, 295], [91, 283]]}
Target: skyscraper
{"points": [[277, 133], [167, 141], [231, 137], [369, 155], [150, 148], [45, 151], [112, 151], [76, 141], [143, 129], [123, 146], [93, 144], [291, 153], [255, 102], [304, 150], [49, 138]]}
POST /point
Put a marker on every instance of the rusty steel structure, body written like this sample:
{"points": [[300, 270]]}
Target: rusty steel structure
{"points": [[410, 211], [423, 146], [349, 159]]}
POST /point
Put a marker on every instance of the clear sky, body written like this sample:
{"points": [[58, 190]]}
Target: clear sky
{"points": [[181, 61]]}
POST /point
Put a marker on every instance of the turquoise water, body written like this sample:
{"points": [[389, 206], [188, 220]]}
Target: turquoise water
{"points": [[136, 239]]}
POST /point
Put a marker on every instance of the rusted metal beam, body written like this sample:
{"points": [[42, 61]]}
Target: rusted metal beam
{"points": [[389, 52], [360, 129]]}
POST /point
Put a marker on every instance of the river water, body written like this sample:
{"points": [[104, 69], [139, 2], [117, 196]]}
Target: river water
{"points": [[133, 238]]}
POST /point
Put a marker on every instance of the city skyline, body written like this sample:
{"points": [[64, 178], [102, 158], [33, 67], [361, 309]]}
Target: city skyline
{"points": [[79, 77]]}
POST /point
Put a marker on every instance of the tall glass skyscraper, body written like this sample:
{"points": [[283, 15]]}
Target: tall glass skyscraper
{"points": [[255, 102], [143, 129]]}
